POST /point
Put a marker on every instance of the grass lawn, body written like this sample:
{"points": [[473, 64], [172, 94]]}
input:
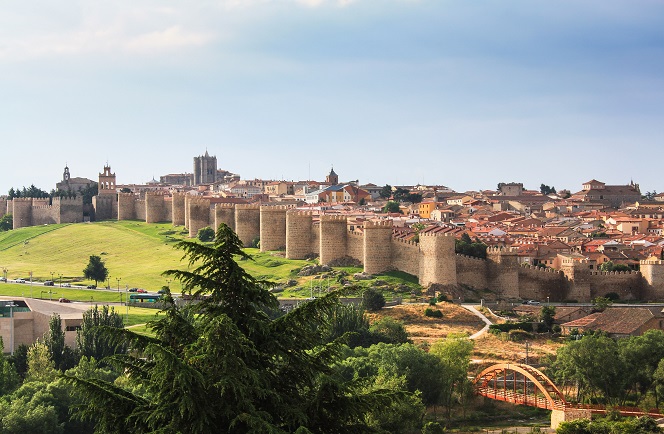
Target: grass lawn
{"points": [[138, 253]]}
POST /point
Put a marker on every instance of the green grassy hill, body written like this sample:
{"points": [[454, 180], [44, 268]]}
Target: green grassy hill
{"points": [[135, 252], [138, 253]]}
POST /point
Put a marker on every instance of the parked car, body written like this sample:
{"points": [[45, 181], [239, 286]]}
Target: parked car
{"points": [[532, 303], [3, 279], [64, 300], [20, 280], [161, 291], [133, 289], [66, 285], [48, 283], [91, 286], [141, 290]]}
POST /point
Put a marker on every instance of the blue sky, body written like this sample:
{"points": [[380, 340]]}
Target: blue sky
{"points": [[461, 93]]}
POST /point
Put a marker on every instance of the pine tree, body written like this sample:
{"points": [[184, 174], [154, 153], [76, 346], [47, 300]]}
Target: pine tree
{"points": [[225, 365]]}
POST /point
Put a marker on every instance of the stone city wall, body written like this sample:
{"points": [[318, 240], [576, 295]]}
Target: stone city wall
{"points": [[273, 227], [247, 223], [377, 246], [405, 256], [355, 246], [537, 283], [471, 271], [333, 237], [299, 232]]}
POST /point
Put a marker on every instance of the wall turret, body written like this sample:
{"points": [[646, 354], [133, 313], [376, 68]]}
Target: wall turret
{"points": [[377, 246], [69, 210], [579, 280], [155, 207], [22, 212], [178, 207], [438, 260], [199, 215], [652, 271], [126, 206], [333, 238], [247, 223], [273, 227], [503, 271], [299, 226], [224, 213]]}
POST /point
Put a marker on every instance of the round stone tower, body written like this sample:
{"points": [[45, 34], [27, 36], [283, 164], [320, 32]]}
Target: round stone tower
{"points": [[154, 207], [503, 267], [22, 212], [224, 213], [178, 208], [438, 260], [273, 227], [652, 271], [299, 225], [247, 223], [377, 246], [126, 206], [333, 238], [199, 215]]}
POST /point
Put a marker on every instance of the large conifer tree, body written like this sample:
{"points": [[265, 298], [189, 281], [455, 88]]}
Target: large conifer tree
{"points": [[225, 365]]}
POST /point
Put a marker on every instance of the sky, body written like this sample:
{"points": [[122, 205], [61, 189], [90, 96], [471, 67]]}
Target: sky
{"points": [[464, 94]]}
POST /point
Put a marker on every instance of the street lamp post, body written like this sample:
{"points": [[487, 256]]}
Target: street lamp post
{"points": [[4, 271], [52, 273], [11, 325], [60, 278], [118, 279]]}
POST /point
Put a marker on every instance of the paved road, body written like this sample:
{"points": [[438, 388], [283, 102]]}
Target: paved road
{"points": [[480, 315]]}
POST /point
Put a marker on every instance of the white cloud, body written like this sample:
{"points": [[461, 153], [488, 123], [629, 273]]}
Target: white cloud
{"points": [[171, 38]]}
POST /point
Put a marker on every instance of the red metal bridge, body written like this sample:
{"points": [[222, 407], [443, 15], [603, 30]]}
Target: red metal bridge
{"points": [[526, 385]]}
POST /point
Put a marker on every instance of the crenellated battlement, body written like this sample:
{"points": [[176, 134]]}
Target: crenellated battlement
{"points": [[541, 269], [333, 218], [298, 213], [436, 234], [613, 273], [473, 258], [651, 262], [247, 206], [275, 208], [22, 200], [380, 224], [225, 205], [199, 201], [68, 200], [408, 242], [502, 250]]}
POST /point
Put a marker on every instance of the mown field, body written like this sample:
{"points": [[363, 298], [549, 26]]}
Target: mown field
{"points": [[138, 253]]}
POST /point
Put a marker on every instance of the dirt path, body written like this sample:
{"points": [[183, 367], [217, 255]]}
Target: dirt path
{"points": [[480, 315]]}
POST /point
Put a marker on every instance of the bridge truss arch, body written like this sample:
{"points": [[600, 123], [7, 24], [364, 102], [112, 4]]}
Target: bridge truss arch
{"points": [[519, 384]]}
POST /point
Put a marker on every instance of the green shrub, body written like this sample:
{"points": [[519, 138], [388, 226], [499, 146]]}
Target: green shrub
{"points": [[434, 313], [372, 299], [432, 428], [519, 335], [206, 234]]}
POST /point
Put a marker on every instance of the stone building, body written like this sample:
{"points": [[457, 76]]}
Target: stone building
{"points": [[205, 169], [75, 184]]}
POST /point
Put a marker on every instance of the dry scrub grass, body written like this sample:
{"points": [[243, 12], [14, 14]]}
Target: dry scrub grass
{"points": [[488, 348], [422, 328]]}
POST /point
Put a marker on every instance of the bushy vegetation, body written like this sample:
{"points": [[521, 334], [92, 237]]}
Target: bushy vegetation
{"points": [[466, 246]]}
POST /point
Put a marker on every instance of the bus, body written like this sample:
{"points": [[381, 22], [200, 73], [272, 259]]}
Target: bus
{"points": [[144, 298]]}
